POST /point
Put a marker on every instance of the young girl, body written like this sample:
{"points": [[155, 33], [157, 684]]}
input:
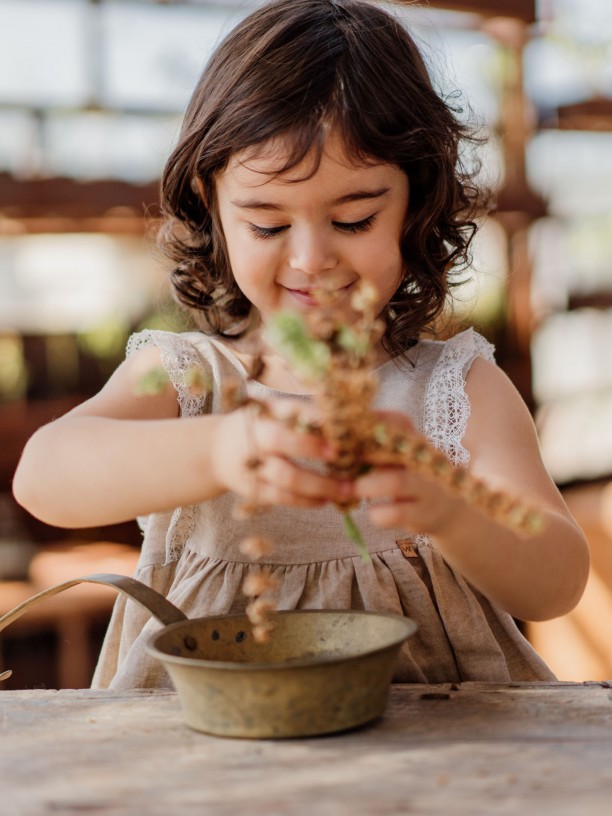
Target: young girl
{"points": [[315, 153]]}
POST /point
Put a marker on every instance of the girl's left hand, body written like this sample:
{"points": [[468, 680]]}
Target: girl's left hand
{"points": [[400, 497]]}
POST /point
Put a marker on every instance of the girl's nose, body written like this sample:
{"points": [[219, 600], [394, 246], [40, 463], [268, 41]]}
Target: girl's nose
{"points": [[312, 252]]}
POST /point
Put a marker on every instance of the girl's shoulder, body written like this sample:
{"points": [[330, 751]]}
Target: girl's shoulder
{"points": [[195, 363], [460, 350]]}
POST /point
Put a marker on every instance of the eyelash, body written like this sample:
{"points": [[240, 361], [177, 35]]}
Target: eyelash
{"points": [[354, 227]]}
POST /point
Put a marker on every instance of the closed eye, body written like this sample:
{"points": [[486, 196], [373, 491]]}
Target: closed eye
{"points": [[355, 226], [344, 226], [266, 232]]}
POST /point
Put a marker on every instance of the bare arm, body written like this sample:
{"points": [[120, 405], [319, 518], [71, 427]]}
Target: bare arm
{"points": [[533, 578], [120, 455]]}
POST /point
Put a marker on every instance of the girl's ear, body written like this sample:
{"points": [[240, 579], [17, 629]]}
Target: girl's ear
{"points": [[202, 191]]}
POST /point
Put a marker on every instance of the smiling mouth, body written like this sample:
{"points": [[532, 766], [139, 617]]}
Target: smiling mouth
{"points": [[313, 296]]}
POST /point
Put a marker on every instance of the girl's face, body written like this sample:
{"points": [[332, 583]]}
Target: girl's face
{"points": [[288, 236]]}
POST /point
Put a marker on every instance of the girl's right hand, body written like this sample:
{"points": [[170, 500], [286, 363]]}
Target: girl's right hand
{"points": [[258, 456]]}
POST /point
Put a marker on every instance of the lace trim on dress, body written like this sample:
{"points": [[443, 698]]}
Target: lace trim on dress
{"points": [[447, 407], [177, 356]]}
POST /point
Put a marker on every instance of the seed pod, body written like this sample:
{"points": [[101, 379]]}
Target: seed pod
{"points": [[256, 546], [259, 611], [259, 583]]}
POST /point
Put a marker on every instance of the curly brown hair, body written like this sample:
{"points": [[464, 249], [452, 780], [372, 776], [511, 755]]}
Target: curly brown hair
{"points": [[293, 68]]}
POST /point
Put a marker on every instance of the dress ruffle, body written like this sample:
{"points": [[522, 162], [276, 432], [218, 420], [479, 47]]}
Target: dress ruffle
{"points": [[460, 635]]}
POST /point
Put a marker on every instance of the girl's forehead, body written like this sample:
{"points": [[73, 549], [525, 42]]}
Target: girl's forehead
{"points": [[267, 161]]}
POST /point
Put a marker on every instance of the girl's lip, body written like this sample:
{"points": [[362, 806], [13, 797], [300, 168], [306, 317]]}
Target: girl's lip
{"points": [[304, 296], [308, 296]]}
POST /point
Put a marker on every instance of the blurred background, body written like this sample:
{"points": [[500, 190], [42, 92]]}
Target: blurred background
{"points": [[91, 95]]}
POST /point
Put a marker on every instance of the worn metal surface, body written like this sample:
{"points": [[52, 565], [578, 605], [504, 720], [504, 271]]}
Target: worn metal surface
{"points": [[481, 749], [320, 671]]}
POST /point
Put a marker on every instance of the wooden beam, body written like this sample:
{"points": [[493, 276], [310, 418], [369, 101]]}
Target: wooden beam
{"points": [[524, 10], [67, 198], [596, 300], [129, 224], [592, 114]]}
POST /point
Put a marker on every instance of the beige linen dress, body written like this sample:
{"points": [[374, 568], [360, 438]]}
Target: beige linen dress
{"points": [[192, 555]]}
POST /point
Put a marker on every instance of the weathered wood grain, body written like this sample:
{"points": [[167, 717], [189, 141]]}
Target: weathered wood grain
{"points": [[479, 749]]}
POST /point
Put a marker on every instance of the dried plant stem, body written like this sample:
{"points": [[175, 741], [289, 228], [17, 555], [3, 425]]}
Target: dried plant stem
{"points": [[417, 453], [346, 388], [353, 533], [258, 587]]}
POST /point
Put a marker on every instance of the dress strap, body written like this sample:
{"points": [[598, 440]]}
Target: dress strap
{"points": [[178, 355], [447, 407]]}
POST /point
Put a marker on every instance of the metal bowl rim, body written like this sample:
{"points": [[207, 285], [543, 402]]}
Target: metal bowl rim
{"points": [[409, 624]]}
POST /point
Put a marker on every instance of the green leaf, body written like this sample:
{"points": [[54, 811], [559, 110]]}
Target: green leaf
{"points": [[352, 342], [288, 334], [154, 381], [354, 534], [196, 380]]}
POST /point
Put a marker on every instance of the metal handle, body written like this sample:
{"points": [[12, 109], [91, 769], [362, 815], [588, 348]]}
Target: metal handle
{"points": [[158, 606]]}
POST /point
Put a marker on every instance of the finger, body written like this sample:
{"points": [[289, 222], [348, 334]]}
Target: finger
{"points": [[272, 436], [291, 479], [273, 495], [385, 482], [392, 514], [292, 411], [423, 513]]}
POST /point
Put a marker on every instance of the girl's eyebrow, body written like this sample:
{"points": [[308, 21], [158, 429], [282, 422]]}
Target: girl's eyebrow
{"points": [[358, 195]]}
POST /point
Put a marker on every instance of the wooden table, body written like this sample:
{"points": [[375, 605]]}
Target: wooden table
{"points": [[516, 750]]}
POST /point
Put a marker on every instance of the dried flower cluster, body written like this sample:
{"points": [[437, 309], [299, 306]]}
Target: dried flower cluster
{"points": [[259, 587], [346, 388], [338, 360]]}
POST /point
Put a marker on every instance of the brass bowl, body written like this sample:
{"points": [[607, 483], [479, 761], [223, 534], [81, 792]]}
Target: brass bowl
{"points": [[320, 672]]}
